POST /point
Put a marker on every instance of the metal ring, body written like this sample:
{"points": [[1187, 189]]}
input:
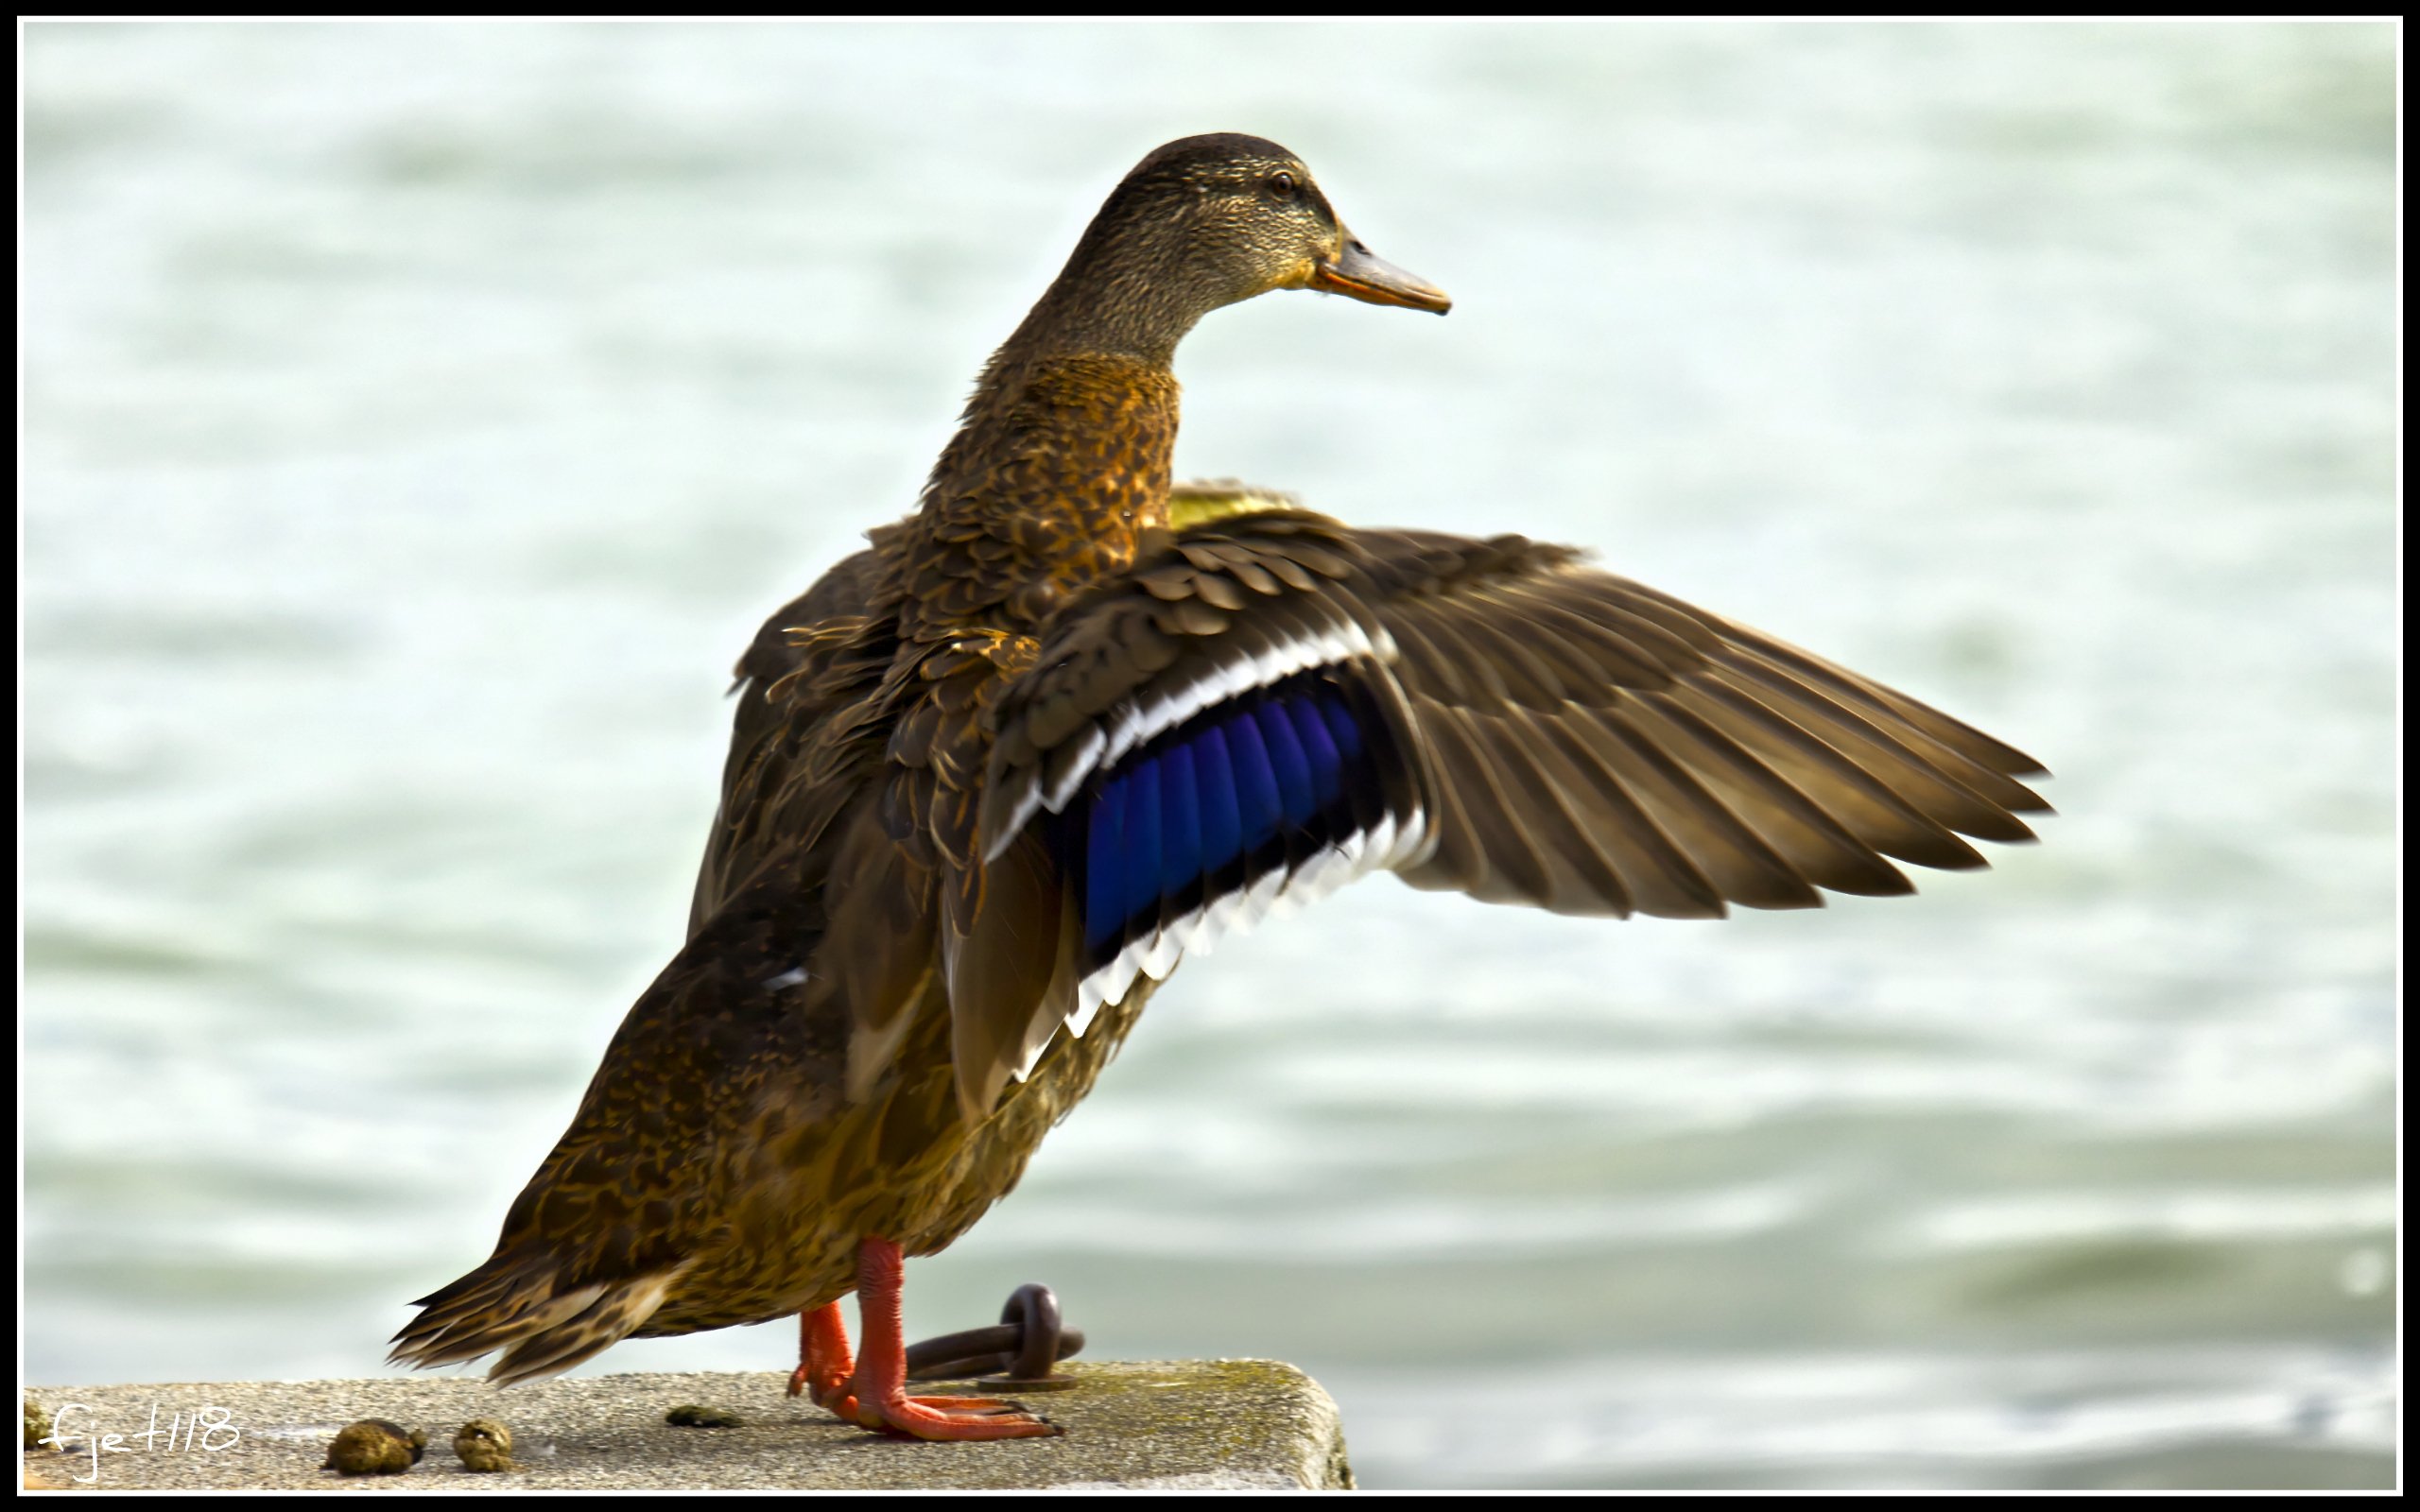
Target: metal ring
{"points": [[1036, 1311], [1030, 1339]]}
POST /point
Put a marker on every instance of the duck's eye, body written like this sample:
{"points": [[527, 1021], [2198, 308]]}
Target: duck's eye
{"points": [[1282, 184]]}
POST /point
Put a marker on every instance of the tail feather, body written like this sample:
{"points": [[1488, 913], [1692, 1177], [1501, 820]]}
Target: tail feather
{"points": [[512, 1303]]}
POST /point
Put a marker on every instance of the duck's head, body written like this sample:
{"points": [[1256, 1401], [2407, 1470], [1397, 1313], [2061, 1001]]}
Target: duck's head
{"points": [[1207, 221]]}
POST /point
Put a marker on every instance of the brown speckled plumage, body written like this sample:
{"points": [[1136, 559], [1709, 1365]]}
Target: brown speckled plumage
{"points": [[1079, 447], [912, 949]]}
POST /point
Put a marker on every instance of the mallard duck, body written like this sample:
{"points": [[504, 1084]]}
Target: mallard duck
{"points": [[992, 777]]}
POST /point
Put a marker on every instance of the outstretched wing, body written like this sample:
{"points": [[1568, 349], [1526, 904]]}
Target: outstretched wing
{"points": [[1270, 704], [1601, 748]]}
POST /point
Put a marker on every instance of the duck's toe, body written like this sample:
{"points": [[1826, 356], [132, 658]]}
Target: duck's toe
{"points": [[954, 1418], [824, 1366]]}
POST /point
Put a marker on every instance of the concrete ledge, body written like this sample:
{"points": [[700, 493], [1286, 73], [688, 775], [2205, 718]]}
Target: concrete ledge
{"points": [[1186, 1424]]}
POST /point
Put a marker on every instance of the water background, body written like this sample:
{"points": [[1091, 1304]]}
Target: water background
{"points": [[419, 419]]}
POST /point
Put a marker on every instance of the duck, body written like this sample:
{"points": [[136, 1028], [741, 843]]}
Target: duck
{"points": [[994, 776]]}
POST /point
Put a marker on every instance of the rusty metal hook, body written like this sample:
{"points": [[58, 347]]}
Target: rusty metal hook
{"points": [[1030, 1339]]}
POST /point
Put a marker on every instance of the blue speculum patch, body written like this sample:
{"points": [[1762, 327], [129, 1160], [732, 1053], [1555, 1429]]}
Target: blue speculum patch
{"points": [[1204, 809]]}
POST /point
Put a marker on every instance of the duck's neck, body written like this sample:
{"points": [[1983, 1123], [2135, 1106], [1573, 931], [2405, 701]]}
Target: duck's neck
{"points": [[1125, 291], [1061, 461], [1059, 465]]}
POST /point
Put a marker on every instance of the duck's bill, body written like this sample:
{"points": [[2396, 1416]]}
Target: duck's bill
{"points": [[1360, 273]]}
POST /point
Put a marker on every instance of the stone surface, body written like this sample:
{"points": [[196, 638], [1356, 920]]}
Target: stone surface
{"points": [[1190, 1424]]}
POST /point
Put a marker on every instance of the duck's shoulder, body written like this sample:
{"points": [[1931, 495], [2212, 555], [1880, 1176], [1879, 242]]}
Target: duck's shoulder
{"points": [[1209, 501], [1386, 558]]}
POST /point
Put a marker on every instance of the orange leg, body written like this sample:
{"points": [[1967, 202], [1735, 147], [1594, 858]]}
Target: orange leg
{"points": [[823, 1364], [880, 1396]]}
